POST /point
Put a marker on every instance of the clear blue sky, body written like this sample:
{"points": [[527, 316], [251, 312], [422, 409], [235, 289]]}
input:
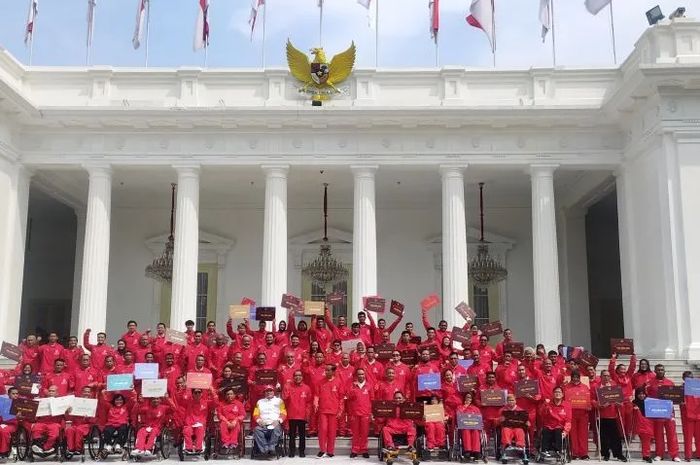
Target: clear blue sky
{"points": [[582, 39]]}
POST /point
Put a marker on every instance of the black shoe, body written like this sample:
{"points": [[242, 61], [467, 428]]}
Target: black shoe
{"points": [[365, 455], [606, 458], [648, 459], [302, 455], [291, 454], [353, 455], [320, 454], [585, 457], [330, 455], [622, 458]]}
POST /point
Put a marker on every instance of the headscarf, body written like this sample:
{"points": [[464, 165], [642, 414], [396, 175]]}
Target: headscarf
{"points": [[639, 402]]}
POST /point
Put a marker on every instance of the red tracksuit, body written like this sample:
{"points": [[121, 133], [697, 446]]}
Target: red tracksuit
{"points": [[423, 369], [398, 426], [152, 421], [190, 354], [298, 400], [663, 426], [230, 412], [7, 429], [131, 339], [63, 381], [435, 434], [579, 420], [321, 335], [510, 435], [330, 395], [627, 389], [48, 353], [402, 375], [30, 355], [644, 428], [84, 377], [272, 355], [195, 425], [690, 419], [77, 431], [217, 357], [471, 438], [49, 426], [360, 408], [285, 373], [556, 416]]}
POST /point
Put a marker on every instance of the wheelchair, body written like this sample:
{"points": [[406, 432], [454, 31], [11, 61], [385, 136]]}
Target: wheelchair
{"points": [[161, 449], [561, 457], [443, 453], [403, 449], [97, 447], [458, 453], [58, 452], [217, 451], [280, 448], [207, 445], [510, 452], [19, 445]]}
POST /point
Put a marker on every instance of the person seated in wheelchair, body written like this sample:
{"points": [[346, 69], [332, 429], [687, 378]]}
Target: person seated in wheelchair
{"points": [[46, 429], [8, 425], [512, 435], [116, 427], [435, 435], [196, 417], [470, 438], [268, 416], [152, 416], [556, 423], [396, 426], [78, 427], [231, 414]]}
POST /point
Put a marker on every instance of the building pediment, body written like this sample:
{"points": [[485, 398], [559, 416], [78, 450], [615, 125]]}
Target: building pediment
{"points": [[212, 247]]}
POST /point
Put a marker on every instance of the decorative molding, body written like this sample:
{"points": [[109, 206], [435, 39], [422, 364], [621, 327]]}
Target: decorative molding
{"points": [[212, 248], [498, 246], [307, 245]]}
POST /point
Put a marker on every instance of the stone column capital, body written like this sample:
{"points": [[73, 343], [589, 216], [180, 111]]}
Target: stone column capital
{"points": [[187, 169], [452, 171], [543, 169], [364, 171], [98, 169], [276, 171]]}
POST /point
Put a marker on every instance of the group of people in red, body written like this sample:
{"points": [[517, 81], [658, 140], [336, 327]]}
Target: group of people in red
{"points": [[321, 387]]}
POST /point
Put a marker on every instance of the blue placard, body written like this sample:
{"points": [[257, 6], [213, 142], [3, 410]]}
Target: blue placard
{"points": [[466, 363], [691, 387], [120, 382], [5, 405], [658, 408], [146, 371], [429, 382], [470, 421]]}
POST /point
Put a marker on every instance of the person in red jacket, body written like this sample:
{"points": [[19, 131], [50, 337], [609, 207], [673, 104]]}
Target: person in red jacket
{"points": [[662, 426], [46, 427], [116, 427], [398, 425], [425, 366], [8, 426], [579, 415], [405, 342], [402, 372], [507, 338], [374, 369], [77, 428], [622, 376], [218, 353], [320, 333], [379, 329], [97, 352], [196, 418], [608, 416], [298, 400], [131, 336], [231, 415], [642, 426], [360, 396], [434, 429], [49, 353], [556, 421], [340, 332], [273, 352], [451, 397], [287, 369], [471, 438], [30, 353], [247, 350], [489, 413], [486, 352], [328, 403], [153, 417], [192, 351], [511, 435], [643, 375], [59, 378], [72, 353], [690, 419], [86, 376], [548, 380]]}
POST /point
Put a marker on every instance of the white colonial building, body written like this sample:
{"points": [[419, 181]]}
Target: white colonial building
{"points": [[592, 193]]}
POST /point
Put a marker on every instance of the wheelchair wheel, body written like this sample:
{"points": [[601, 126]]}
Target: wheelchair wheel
{"points": [[94, 443], [380, 447], [21, 443], [181, 451], [165, 443]]}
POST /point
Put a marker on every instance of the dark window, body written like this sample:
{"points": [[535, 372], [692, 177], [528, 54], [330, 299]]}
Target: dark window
{"points": [[481, 304], [202, 289]]}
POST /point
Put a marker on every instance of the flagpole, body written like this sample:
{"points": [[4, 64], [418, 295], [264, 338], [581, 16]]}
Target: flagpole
{"points": [[31, 44], [612, 32], [376, 34], [206, 54], [148, 27], [91, 21], [493, 28], [320, 23], [262, 59], [437, 52], [554, 40]]}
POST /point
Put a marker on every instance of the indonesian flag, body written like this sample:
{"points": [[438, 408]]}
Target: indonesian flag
{"points": [[90, 20], [254, 8], [482, 16], [141, 12], [365, 3], [594, 6], [545, 17], [31, 17], [434, 6], [201, 30]]}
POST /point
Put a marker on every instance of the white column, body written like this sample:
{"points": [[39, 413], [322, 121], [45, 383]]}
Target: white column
{"points": [[80, 214], [94, 279], [274, 264], [545, 258], [14, 202], [186, 254], [364, 237], [455, 285]]}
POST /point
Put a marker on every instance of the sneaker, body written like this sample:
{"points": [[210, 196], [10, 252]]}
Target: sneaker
{"points": [[325, 456], [353, 455], [36, 449], [365, 455], [108, 448], [622, 459], [676, 459], [585, 457], [329, 455], [320, 454], [117, 449], [657, 459], [147, 453], [136, 452]]}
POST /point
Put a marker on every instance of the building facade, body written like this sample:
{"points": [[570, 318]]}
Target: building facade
{"points": [[592, 192]]}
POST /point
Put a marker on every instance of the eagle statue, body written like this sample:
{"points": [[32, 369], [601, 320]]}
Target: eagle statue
{"points": [[318, 74]]}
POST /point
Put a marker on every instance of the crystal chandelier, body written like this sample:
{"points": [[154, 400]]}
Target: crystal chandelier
{"points": [[162, 267], [484, 269], [325, 269]]}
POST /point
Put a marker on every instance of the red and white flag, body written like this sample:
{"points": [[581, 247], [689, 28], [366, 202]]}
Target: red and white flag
{"points": [[365, 3], [482, 16], [594, 6], [254, 9], [141, 12], [545, 17], [90, 20], [201, 30], [434, 7], [31, 17]]}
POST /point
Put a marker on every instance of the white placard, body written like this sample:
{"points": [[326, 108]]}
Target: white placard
{"points": [[84, 407], [59, 405], [44, 409], [154, 387]]}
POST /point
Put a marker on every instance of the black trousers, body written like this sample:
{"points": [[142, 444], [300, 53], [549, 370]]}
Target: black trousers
{"points": [[118, 434], [551, 440], [610, 438], [297, 428]]}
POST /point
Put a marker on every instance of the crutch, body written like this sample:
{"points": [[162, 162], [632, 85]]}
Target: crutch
{"points": [[597, 428], [624, 433]]}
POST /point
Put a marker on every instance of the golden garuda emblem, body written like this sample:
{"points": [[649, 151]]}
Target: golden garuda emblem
{"points": [[320, 78]]}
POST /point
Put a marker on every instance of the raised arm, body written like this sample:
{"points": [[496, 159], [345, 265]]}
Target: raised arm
{"points": [[86, 340], [329, 320], [229, 330], [424, 319], [393, 326]]}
